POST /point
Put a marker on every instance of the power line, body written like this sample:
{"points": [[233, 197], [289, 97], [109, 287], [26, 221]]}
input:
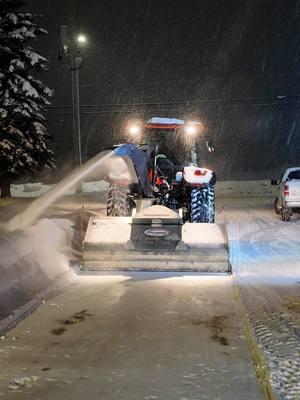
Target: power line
{"points": [[279, 101], [122, 111], [153, 83], [249, 66], [264, 105]]}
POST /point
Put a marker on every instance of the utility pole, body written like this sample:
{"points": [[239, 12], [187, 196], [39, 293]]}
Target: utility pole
{"points": [[69, 54], [76, 64]]}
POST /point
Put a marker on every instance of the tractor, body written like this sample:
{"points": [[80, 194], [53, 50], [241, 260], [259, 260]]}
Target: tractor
{"points": [[163, 153]]}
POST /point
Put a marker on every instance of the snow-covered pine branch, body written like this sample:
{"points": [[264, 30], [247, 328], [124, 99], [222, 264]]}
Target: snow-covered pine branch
{"points": [[24, 141]]}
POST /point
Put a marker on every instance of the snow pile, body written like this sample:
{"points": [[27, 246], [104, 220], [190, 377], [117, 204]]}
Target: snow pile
{"points": [[96, 186], [31, 260], [38, 189], [261, 188], [29, 189]]}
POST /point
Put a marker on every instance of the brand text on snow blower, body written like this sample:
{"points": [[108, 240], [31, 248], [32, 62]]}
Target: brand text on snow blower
{"points": [[157, 232]]}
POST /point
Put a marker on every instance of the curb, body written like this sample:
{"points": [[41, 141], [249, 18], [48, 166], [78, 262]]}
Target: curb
{"points": [[257, 356], [25, 310]]}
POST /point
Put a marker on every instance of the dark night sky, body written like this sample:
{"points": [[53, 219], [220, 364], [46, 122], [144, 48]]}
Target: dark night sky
{"points": [[222, 61]]}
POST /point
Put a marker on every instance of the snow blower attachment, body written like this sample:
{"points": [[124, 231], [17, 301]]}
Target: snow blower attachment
{"points": [[155, 239], [173, 228]]}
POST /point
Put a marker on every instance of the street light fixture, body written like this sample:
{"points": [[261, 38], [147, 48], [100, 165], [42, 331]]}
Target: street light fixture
{"points": [[81, 39]]}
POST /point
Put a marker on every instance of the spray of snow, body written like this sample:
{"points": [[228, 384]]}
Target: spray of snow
{"points": [[101, 165], [41, 245], [117, 170], [34, 260]]}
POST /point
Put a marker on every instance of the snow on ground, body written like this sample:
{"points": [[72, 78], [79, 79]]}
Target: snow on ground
{"points": [[29, 190], [223, 188], [246, 189], [31, 260], [265, 257], [38, 189], [266, 250], [150, 338]]}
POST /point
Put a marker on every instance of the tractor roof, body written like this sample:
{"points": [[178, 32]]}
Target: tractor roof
{"points": [[168, 123], [164, 123]]}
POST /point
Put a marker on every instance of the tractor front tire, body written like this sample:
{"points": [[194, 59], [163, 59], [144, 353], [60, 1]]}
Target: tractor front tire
{"points": [[203, 205], [118, 201]]}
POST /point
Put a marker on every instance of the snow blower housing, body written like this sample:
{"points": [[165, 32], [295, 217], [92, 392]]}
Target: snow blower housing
{"points": [[166, 216]]}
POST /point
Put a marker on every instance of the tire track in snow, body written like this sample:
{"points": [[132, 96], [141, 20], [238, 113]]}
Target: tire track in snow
{"points": [[277, 336], [260, 250]]}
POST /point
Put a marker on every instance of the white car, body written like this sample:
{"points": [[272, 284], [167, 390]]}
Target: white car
{"points": [[287, 198]]}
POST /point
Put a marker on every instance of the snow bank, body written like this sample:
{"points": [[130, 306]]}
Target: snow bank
{"points": [[38, 189], [223, 188], [29, 189], [97, 186], [31, 260], [261, 188]]}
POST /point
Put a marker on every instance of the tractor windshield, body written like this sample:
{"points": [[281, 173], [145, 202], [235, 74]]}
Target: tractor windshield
{"points": [[170, 142]]}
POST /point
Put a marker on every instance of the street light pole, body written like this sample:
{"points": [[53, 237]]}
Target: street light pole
{"points": [[76, 64], [70, 48], [78, 115]]}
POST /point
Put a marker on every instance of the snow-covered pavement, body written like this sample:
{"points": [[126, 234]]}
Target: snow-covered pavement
{"points": [[153, 337], [265, 256], [149, 317]]}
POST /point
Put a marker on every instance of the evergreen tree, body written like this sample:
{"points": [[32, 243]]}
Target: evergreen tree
{"points": [[24, 141]]}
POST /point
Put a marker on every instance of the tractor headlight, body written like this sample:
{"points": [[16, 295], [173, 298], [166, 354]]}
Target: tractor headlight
{"points": [[190, 129], [134, 129]]}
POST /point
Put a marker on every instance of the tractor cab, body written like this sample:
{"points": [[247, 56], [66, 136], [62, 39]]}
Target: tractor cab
{"points": [[169, 143]]}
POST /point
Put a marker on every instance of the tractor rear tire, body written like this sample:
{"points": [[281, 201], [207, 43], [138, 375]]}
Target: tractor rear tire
{"points": [[118, 201], [203, 205]]}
